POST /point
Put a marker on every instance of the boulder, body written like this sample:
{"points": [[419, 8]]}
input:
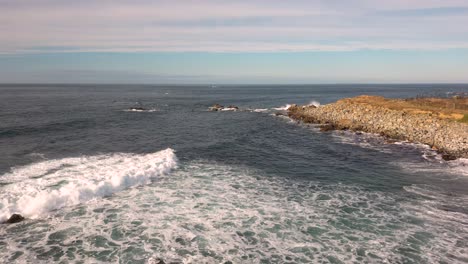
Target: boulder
{"points": [[448, 157], [14, 218], [216, 107]]}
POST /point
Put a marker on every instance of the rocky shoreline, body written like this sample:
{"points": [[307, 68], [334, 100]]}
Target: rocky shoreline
{"points": [[448, 137]]}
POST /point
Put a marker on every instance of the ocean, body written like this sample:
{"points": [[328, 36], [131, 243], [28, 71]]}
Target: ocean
{"points": [[174, 182]]}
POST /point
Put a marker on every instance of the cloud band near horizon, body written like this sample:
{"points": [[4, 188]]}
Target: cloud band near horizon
{"points": [[54, 26]]}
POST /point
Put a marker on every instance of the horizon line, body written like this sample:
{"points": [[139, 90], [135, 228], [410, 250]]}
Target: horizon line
{"points": [[235, 84]]}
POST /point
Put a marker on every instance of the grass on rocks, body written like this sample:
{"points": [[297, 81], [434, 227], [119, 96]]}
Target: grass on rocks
{"points": [[455, 108]]}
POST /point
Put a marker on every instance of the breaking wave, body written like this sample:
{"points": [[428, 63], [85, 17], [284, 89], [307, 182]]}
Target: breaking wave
{"points": [[283, 108], [314, 103], [48, 185]]}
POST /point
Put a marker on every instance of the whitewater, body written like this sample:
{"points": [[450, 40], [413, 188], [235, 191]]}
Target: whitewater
{"points": [[98, 183], [35, 190]]}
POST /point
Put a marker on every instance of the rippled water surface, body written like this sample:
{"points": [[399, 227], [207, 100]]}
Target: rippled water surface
{"points": [[101, 183]]}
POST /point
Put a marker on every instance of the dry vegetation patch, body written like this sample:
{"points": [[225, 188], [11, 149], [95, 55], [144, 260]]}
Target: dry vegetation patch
{"points": [[455, 108]]}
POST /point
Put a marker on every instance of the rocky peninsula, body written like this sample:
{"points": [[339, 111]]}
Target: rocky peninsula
{"points": [[439, 123]]}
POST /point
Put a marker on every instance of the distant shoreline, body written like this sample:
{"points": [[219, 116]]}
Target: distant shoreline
{"points": [[439, 123]]}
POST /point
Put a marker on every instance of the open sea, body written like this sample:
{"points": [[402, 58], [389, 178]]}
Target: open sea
{"points": [[176, 183]]}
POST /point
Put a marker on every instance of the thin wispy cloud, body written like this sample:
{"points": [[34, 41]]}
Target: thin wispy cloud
{"points": [[227, 26]]}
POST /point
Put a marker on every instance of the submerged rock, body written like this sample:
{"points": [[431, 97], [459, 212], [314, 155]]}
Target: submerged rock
{"points": [[14, 218]]}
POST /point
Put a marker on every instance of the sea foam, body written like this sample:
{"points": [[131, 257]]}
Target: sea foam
{"points": [[209, 212], [36, 189]]}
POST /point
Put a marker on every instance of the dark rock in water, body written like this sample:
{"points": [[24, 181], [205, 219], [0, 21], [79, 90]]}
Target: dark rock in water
{"points": [[279, 114], [216, 107], [160, 261], [156, 261], [448, 157], [15, 218], [137, 109]]}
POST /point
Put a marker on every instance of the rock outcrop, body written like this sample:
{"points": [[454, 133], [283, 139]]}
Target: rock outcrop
{"points": [[447, 136], [14, 218], [218, 107]]}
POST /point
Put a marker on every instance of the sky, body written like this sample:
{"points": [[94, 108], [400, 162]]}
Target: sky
{"points": [[217, 41]]}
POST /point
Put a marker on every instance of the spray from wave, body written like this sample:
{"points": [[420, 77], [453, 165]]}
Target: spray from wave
{"points": [[49, 185], [287, 106], [314, 103], [283, 108]]}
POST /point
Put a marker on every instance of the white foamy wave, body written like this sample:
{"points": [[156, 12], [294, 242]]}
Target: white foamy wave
{"points": [[314, 103], [48, 185], [433, 160], [283, 108], [229, 109], [434, 163], [461, 162], [287, 106], [141, 110], [260, 110], [449, 168], [362, 139]]}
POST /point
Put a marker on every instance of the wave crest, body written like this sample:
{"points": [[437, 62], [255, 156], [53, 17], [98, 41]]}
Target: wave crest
{"points": [[48, 185]]}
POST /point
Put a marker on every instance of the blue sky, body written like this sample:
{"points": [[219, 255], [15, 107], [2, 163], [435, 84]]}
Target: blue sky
{"points": [[215, 41]]}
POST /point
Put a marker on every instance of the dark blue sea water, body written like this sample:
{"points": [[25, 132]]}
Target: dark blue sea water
{"points": [[100, 183]]}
